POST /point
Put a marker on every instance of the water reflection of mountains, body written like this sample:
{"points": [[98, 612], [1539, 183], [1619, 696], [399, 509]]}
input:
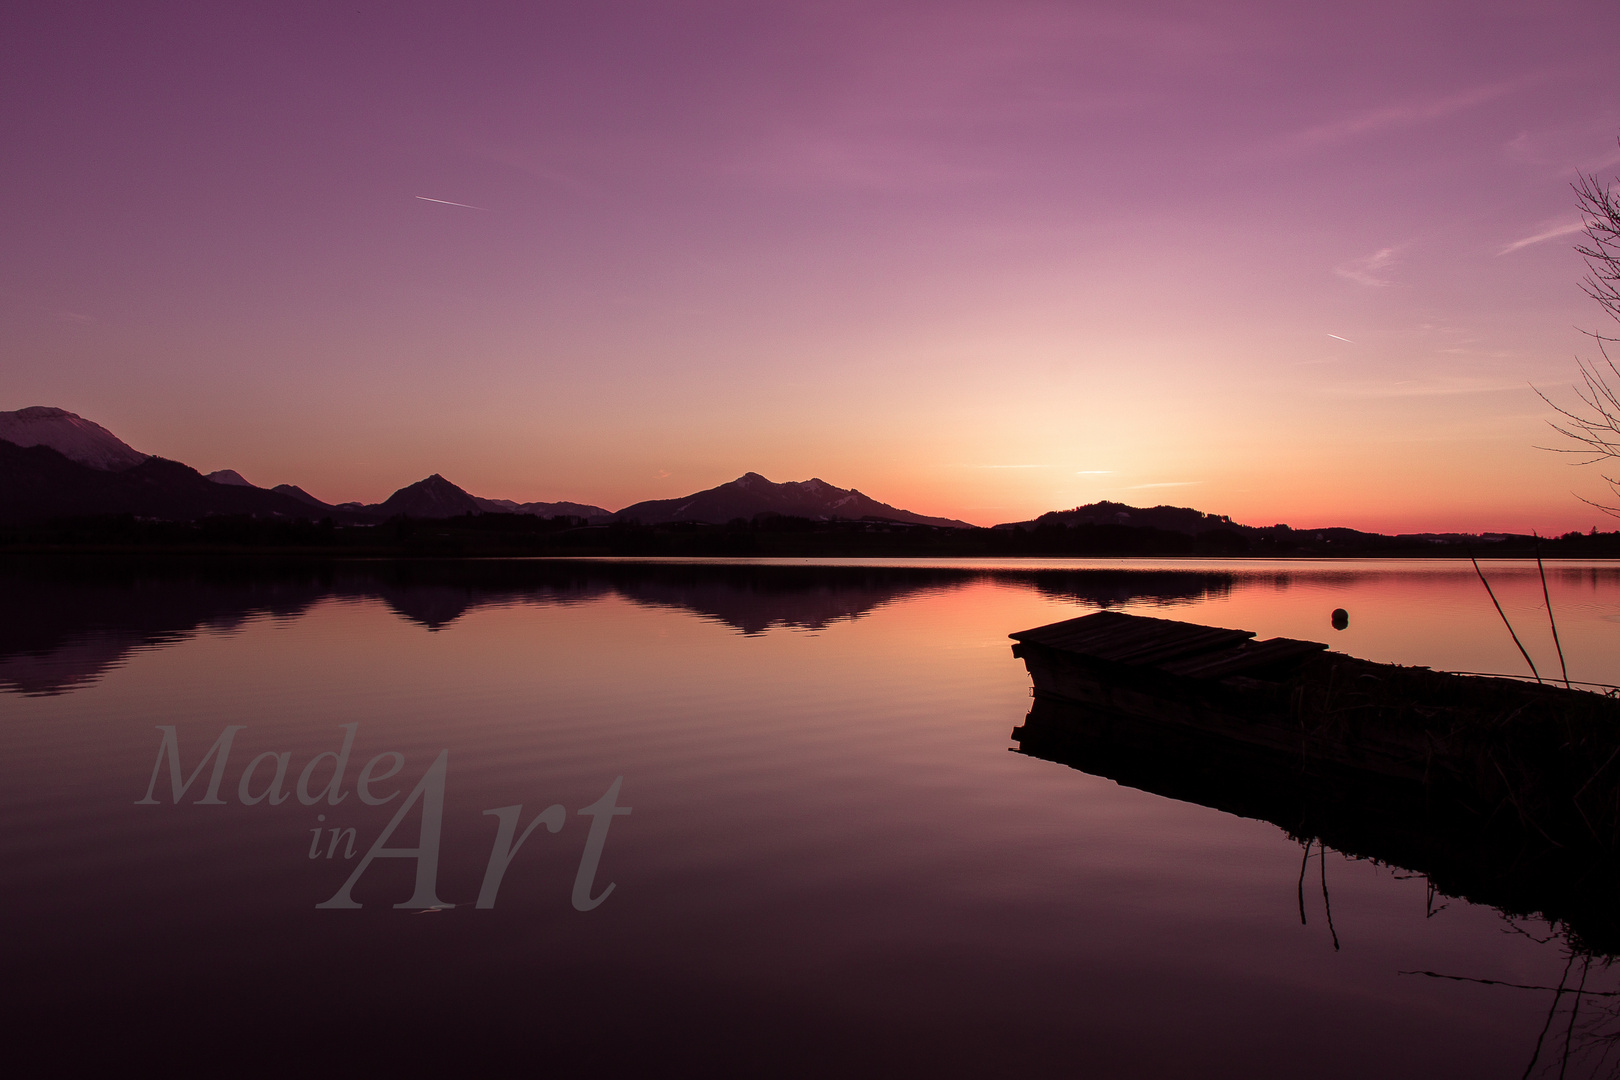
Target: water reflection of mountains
{"points": [[1495, 862], [64, 623]]}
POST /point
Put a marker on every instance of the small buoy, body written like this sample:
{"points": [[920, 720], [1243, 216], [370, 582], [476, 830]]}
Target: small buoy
{"points": [[1341, 618]]}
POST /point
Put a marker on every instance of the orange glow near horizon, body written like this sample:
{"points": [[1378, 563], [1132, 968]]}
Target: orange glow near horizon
{"points": [[978, 261]]}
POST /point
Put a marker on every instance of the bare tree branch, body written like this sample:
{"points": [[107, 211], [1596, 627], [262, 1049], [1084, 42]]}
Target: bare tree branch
{"points": [[1592, 428]]}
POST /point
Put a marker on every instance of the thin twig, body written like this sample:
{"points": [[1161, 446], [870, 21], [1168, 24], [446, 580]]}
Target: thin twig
{"points": [[1514, 985], [1502, 675]]}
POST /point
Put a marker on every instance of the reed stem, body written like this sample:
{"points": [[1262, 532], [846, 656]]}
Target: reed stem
{"points": [[1491, 593], [1545, 595]]}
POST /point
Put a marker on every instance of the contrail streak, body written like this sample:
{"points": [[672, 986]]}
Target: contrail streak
{"points": [[447, 202], [1556, 231], [1343, 339]]}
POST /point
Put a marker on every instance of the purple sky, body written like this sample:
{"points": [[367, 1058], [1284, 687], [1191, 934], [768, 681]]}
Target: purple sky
{"points": [[1273, 260]]}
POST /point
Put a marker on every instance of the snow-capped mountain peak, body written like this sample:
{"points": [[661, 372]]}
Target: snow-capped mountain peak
{"points": [[70, 435]]}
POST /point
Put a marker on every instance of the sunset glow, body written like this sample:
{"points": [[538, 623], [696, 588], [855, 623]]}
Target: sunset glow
{"points": [[1283, 262]]}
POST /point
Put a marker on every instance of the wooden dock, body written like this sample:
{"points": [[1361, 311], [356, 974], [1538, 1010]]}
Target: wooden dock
{"points": [[1541, 763]]}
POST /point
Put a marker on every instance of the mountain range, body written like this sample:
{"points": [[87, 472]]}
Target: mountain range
{"points": [[54, 463], [751, 494]]}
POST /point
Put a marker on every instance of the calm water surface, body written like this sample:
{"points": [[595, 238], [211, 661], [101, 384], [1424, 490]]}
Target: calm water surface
{"points": [[832, 861]]}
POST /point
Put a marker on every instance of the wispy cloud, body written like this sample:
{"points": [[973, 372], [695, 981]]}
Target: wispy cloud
{"points": [[1163, 484], [1368, 271], [1403, 114], [447, 202], [1546, 234]]}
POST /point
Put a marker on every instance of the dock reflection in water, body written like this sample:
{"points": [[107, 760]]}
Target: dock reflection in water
{"points": [[1572, 902]]}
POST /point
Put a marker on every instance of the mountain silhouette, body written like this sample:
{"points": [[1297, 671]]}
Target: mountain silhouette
{"points": [[301, 495], [70, 435], [54, 463], [38, 483], [434, 497], [437, 497], [752, 494], [1101, 517], [1180, 519], [545, 509]]}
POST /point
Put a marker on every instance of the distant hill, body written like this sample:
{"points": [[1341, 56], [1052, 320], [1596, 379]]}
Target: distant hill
{"points": [[752, 494], [545, 509], [229, 476], [70, 435], [1196, 523], [1180, 519]]}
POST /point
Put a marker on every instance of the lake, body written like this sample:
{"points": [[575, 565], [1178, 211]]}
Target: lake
{"points": [[793, 834]]}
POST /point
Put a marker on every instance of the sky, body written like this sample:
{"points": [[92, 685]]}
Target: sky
{"points": [[1287, 262]]}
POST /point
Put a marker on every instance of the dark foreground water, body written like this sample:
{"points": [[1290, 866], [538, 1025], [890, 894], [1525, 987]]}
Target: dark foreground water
{"points": [[825, 859]]}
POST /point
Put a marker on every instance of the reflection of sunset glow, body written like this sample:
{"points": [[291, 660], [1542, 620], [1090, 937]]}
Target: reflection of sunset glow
{"points": [[827, 818], [1429, 612]]}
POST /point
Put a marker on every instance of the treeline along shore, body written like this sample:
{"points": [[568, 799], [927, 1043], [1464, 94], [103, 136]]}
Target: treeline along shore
{"points": [[763, 536]]}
